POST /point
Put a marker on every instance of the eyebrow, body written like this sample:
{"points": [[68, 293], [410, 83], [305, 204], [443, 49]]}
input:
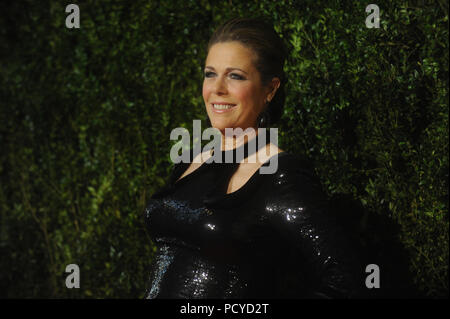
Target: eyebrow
{"points": [[227, 69]]}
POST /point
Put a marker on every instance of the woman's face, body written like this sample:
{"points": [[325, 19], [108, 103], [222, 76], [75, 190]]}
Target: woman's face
{"points": [[232, 90]]}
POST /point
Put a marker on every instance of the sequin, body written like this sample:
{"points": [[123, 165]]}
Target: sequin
{"points": [[272, 238]]}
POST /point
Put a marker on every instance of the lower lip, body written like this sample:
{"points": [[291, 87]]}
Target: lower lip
{"points": [[222, 111]]}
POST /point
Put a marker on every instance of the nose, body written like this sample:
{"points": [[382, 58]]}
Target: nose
{"points": [[220, 87]]}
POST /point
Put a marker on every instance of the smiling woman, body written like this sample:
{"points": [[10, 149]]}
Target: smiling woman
{"points": [[228, 231], [233, 90], [249, 51]]}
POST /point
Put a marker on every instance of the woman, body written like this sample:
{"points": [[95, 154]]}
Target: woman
{"points": [[223, 230]]}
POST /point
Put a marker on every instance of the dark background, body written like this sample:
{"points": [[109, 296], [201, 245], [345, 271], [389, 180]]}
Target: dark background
{"points": [[86, 115]]}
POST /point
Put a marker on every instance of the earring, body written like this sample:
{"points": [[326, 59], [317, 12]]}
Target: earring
{"points": [[263, 119]]}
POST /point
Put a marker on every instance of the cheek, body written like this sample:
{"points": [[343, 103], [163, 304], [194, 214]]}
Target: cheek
{"points": [[246, 95], [205, 91]]}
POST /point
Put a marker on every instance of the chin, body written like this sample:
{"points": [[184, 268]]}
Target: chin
{"points": [[221, 128], [220, 125]]}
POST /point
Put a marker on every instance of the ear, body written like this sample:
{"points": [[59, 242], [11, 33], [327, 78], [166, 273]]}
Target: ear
{"points": [[273, 86]]}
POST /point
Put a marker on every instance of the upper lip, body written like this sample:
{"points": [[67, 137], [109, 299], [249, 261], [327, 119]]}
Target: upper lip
{"points": [[223, 103]]}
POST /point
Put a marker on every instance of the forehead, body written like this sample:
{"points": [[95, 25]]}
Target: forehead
{"points": [[230, 54]]}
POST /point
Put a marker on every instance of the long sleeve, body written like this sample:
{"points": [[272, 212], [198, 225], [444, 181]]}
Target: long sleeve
{"points": [[298, 210]]}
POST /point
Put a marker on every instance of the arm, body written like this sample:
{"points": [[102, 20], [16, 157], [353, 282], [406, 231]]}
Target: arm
{"points": [[298, 210]]}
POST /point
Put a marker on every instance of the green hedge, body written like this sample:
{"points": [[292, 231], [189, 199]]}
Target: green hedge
{"points": [[86, 116]]}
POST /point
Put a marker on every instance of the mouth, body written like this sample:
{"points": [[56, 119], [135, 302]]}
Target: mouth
{"points": [[220, 107]]}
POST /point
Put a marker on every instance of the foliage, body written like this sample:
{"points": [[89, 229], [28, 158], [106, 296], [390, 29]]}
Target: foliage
{"points": [[86, 116]]}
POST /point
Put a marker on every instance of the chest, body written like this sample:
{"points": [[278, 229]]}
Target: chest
{"points": [[243, 174], [205, 228]]}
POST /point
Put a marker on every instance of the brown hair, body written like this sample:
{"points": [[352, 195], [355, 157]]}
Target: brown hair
{"points": [[259, 36]]}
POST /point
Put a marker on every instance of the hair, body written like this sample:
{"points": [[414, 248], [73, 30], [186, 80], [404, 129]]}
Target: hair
{"points": [[261, 38]]}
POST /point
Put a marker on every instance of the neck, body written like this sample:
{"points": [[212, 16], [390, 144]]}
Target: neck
{"points": [[237, 138]]}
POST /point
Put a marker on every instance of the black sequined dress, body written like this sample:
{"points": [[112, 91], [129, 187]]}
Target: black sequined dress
{"points": [[272, 238]]}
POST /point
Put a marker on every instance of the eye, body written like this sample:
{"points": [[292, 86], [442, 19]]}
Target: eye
{"points": [[208, 74], [236, 76]]}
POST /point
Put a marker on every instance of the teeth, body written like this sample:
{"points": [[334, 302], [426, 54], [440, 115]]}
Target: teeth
{"points": [[222, 106]]}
